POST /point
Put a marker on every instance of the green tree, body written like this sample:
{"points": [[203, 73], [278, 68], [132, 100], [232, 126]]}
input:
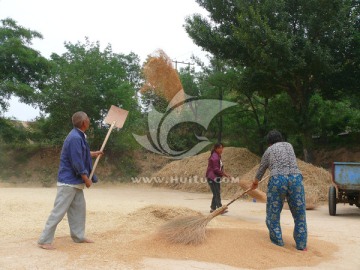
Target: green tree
{"points": [[242, 125], [88, 79], [12, 132], [293, 46], [22, 70]]}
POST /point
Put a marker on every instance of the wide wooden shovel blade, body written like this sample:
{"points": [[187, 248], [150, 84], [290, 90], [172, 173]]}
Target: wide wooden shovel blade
{"points": [[116, 115]]}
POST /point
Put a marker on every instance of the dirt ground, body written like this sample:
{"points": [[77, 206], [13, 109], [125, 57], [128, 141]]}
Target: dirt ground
{"points": [[124, 233]]}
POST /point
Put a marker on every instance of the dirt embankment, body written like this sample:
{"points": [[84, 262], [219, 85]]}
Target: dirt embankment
{"points": [[40, 167], [325, 158]]}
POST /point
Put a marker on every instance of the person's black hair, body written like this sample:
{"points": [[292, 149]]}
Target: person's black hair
{"points": [[216, 146], [274, 136]]}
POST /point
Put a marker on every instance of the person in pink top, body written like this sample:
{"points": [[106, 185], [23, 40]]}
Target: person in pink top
{"points": [[214, 173]]}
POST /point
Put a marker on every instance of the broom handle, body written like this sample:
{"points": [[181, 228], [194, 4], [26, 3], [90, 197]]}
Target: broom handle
{"points": [[246, 191], [101, 149]]}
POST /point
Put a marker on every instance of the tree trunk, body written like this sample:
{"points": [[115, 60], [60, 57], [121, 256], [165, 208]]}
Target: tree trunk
{"points": [[307, 146], [264, 127], [301, 96], [220, 116]]}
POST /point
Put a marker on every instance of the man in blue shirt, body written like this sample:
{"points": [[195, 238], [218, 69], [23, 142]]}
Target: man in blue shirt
{"points": [[74, 170]]}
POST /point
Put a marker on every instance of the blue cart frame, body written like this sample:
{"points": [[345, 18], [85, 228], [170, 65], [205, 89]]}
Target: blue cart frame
{"points": [[346, 185]]}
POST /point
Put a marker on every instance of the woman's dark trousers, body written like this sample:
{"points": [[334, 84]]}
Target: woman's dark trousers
{"points": [[215, 189]]}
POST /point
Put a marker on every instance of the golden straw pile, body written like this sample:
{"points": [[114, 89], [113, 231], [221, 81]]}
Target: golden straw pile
{"points": [[316, 183], [189, 173], [240, 163]]}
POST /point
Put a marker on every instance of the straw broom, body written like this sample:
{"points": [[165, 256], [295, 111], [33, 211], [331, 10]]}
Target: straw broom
{"points": [[191, 229]]}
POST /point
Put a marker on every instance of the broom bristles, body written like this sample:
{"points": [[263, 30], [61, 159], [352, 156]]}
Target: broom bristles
{"points": [[219, 211], [188, 230]]}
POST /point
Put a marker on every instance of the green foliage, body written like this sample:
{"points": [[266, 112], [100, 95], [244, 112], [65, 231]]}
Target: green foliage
{"points": [[44, 133], [294, 47], [328, 117], [190, 82], [333, 117], [243, 125], [12, 132], [23, 70], [151, 99], [90, 80], [290, 65]]}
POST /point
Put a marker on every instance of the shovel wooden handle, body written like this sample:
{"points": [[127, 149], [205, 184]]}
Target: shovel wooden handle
{"points": [[101, 149], [246, 191]]}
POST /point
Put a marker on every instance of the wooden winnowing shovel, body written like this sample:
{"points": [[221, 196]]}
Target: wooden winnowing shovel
{"points": [[115, 118]]}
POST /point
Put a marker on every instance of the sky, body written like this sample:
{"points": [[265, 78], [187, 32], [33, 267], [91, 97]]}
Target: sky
{"points": [[139, 26]]}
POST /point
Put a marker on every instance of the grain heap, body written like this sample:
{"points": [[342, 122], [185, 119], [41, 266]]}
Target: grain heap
{"points": [[154, 215], [316, 183], [189, 173]]}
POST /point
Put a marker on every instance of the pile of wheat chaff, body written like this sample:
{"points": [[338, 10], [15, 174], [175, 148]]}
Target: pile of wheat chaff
{"points": [[189, 173], [316, 183], [159, 213], [150, 217]]}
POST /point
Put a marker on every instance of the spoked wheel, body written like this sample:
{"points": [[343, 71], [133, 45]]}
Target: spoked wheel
{"points": [[332, 201]]}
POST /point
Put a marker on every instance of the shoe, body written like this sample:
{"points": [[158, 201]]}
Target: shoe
{"points": [[212, 210]]}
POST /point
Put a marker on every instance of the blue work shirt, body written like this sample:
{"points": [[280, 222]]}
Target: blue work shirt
{"points": [[75, 159]]}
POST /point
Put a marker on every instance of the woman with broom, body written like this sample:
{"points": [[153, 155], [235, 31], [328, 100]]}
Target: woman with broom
{"points": [[214, 173], [285, 182]]}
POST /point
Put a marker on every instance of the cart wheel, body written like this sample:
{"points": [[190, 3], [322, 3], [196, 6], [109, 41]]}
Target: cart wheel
{"points": [[332, 201]]}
